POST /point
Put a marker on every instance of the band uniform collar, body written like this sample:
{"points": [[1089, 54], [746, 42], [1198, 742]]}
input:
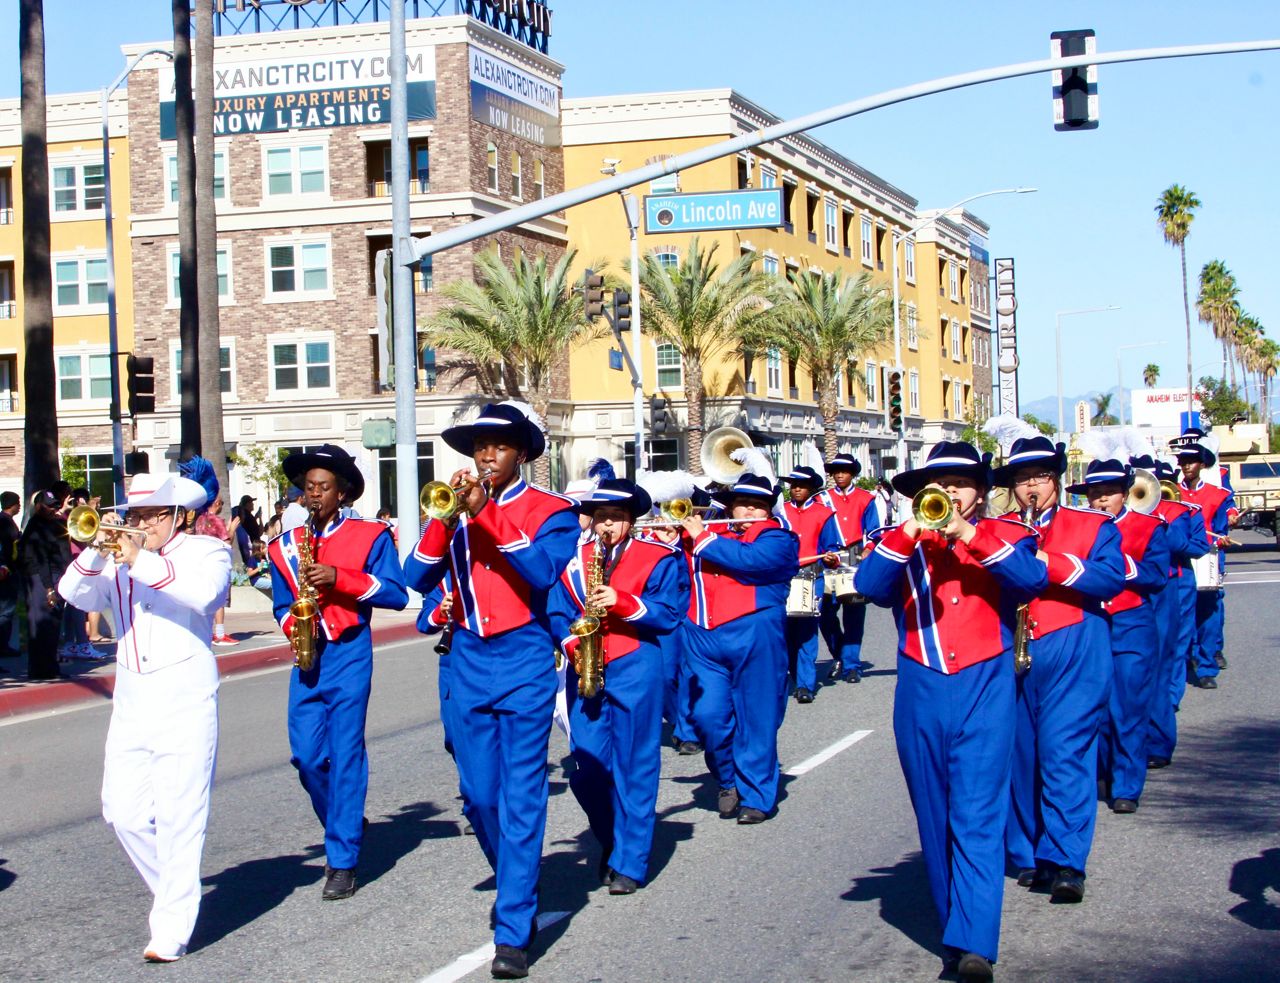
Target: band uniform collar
{"points": [[512, 491]]}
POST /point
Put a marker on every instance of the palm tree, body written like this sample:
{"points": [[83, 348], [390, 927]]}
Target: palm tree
{"points": [[703, 312], [188, 282], [511, 328], [1216, 306], [1102, 416], [1244, 346], [1268, 359], [1150, 375], [825, 322], [39, 381], [1175, 210]]}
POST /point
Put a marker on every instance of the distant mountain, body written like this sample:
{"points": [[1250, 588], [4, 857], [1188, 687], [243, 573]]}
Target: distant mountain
{"points": [[1046, 408]]}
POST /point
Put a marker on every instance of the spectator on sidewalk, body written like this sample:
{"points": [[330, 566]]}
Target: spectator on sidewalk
{"points": [[273, 528], [10, 505], [209, 523], [43, 555], [250, 518], [295, 513]]}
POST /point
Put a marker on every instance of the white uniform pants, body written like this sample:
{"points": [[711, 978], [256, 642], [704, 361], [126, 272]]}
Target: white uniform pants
{"points": [[161, 750]]}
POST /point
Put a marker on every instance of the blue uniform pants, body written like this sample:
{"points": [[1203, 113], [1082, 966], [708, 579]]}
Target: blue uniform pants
{"points": [[955, 743], [1060, 707], [1162, 732], [327, 706], [802, 654], [735, 672], [675, 690], [1187, 633], [616, 744], [503, 690], [1208, 642], [842, 629], [1135, 651], [446, 700]]}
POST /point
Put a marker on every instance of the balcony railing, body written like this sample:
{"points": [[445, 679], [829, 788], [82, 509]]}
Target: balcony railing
{"points": [[8, 402], [382, 189], [8, 310], [6, 216]]}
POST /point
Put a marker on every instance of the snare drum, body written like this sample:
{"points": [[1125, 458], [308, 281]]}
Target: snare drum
{"points": [[1208, 574], [802, 599], [845, 592]]}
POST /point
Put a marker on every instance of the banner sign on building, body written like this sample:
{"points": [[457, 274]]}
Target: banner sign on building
{"points": [[284, 92], [1007, 336], [1161, 407], [712, 210], [510, 99]]}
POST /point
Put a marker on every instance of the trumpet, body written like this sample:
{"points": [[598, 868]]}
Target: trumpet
{"points": [[440, 500], [931, 507], [679, 509], [672, 524], [83, 523]]}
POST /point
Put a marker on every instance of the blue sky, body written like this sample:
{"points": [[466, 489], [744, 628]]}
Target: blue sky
{"points": [[1087, 238]]}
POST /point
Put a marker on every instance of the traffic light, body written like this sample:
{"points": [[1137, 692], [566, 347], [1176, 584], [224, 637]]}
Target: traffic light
{"points": [[659, 415], [141, 384], [382, 291], [1075, 91], [593, 294], [622, 310], [137, 462], [893, 397]]}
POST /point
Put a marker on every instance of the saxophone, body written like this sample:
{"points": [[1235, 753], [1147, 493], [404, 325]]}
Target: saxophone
{"points": [[588, 662], [305, 610]]}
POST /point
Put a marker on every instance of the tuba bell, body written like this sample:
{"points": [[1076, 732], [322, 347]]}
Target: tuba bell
{"points": [[1144, 494], [1170, 492], [717, 463], [931, 507]]}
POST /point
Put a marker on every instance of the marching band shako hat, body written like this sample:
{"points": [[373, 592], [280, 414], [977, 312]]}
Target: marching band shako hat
{"points": [[1144, 461], [1188, 447], [164, 491], [1163, 471], [804, 476], [845, 462], [501, 421], [1027, 451], [747, 484], [616, 491], [1110, 471], [947, 457], [331, 458]]}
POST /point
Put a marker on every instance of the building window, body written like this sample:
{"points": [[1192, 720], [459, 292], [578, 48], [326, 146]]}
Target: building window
{"points": [[297, 170], [80, 285], [297, 270], [768, 177], [78, 188], [539, 180], [667, 258], [953, 276], [956, 332], [909, 252], [913, 391], [516, 186], [219, 176], [226, 370], [867, 249], [84, 377], [670, 369], [913, 328], [301, 365], [491, 167], [831, 211], [387, 472], [419, 170], [773, 372], [872, 374], [769, 264], [224, 277], [957, 391]]}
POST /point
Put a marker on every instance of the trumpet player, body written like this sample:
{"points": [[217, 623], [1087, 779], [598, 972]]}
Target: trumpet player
{"points": [[1134, 657], [505, 546], [954, 592], [353, 569], [1063, 696], [814, 522], [857, 516], [162, 586], [616, 735]]}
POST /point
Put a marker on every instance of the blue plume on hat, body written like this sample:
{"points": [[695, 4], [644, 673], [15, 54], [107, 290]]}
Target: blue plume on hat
{"points": [[601, 470], [201, 472]]}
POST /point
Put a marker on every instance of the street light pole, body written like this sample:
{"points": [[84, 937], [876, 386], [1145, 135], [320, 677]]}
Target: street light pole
{"points": [[113, 333], [1057, 341], [632, 208], [1120, 373]]}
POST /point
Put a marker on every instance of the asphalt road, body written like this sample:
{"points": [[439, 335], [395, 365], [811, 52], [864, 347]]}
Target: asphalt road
{"points": [[832, 888]]}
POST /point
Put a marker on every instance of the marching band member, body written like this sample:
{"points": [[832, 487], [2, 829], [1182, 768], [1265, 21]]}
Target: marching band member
{"points": [[505, 548], [814, 522], [954, 594], [1062, 698], [616, 735], [734, 643], [857, 516], [353, 569], [162, 591], [1135, 647], [1218, 510], [1175, 610]]}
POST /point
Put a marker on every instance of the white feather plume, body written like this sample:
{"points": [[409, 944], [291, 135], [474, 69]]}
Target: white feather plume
{"points": [[664, 486], [1097, 444], [812, 457], [1134, 443], [757, 462], [1006, 428], [528, 411]]}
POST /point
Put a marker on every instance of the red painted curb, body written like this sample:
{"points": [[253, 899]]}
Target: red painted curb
{"points": [[36, 697]]}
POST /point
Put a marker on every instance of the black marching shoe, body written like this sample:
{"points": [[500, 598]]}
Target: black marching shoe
{"points": [[1155, 763], [728, 803], [837, 670], [854, 675], [1124, 806], [749, 817], [1068, 886], [973, 968], [1035, 877], [509, 963], [622, 884], [804, 696], [1206, 682], [688, 747], [339, 883], [1220, 659]]}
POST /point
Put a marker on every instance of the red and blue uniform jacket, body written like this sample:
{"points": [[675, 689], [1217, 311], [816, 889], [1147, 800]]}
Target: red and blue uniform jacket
{"points": [[819, 531], [955, 604], [1217, 508], [1145, 545], [368, 574], [1185, 534], [1086, 567], [652, 584], [733, 574], [504, 561], [857, 514]]}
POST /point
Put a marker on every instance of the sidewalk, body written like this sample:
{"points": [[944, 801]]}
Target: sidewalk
{"points": [[259, 644]]}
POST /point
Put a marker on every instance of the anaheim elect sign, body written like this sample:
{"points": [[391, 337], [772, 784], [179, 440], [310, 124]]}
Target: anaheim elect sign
{"points": [[279, 93]]}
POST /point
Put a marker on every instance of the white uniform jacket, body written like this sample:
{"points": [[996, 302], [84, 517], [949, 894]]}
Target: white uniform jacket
{"points": [[162, 606]]}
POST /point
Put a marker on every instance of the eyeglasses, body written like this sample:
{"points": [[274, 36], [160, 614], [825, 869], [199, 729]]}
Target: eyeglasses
{"points": [[1034, 479], [134, 518]]}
